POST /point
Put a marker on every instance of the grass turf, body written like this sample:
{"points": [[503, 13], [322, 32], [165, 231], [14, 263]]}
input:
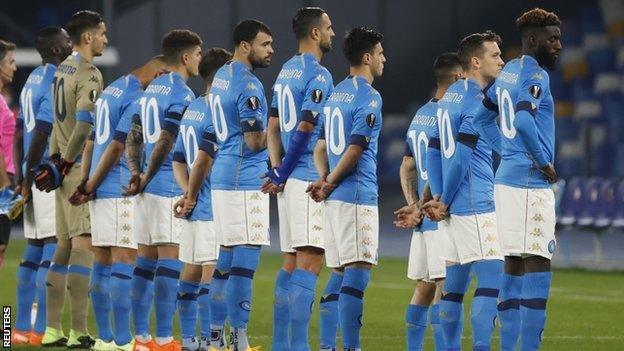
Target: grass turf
{"points": [[584, 310]]}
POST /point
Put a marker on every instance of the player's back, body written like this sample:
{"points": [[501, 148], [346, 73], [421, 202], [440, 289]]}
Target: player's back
{"points": [[76, 85], [166, 95], [195, 122], [421, 129], [36, 103], [523, 81], [353, 115], [236, 98], [455, 123], [302, 84], [117, 101]]}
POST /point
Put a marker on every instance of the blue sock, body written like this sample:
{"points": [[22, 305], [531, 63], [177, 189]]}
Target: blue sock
{"points": [[300, 300], [165, 294], [535, 289], [203, 300], [100, 299], [120, 286], [451, 304], [245, 261], [329, 311], [187, 308], [351, 305], [42, 273], [142, 294], [416, 318], [218, 307], [509, 311], [438, 333], [281, 315], [26, 286], [483, 311]]}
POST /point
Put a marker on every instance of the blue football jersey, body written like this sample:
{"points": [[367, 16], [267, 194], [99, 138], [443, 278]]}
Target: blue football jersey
{"points": [[302, 84], [161, 105], [456, 111], [423, 126], [237, 99], [36, 104], [523, 81], [192, 126], [114, 103], [352, 115]]}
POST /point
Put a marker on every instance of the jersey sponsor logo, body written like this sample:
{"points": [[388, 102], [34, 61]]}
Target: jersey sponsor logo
{"points": [[535, 91], [253, 102], [373, 104], [251, 86], [370, 120], [537, 76], [317, 95], [321, 78], [188, 98]]}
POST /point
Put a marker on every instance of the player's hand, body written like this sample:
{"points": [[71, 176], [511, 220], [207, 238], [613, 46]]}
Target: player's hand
{"points": [[408, 216], [17, 191], [184, 207], [82, 195], [26, 191], [48, 175], [435, 210], [549, 172], [273, 182], [314, 188], [270, 188], [134, 184]]}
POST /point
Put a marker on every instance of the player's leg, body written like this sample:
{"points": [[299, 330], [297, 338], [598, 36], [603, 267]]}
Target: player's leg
{"points": [[166, 280], [451, 304], [511, 209], [537, 273], [142, 290], [416, 314], [99, 291], [434, 317], [203, 300], [509, 305], [218, 307], [187, 303], [124, 259], [328, 307], [26, 290], [79, 272], [435, 241], [301, 294], [281, 315], [49, 247]]}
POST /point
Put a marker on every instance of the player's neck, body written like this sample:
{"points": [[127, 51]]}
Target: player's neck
{"points": [[240, 57], [481, 81], [440, 91], [85, 52], [363, 72], [208, 86], [181, 70], [311, 48], [51, 60]]}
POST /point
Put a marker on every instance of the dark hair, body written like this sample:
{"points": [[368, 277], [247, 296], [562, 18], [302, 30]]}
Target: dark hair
{"points": [[81, 22], [305, 19], [444, 65], [176, 42], [358, 42], [45, 40], [248, 29], [212, 60], [5, 47], [472, 46], [537, 18]]}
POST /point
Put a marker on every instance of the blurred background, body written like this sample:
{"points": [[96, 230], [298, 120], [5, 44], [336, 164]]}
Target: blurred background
{"points": [[588, 87]]}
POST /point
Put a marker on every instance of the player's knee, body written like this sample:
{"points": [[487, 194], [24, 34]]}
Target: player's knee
{"points": [[82, 241], [534, 264], [147, 251], [424, 293], [61, 255], [290, 262], [191, 272], [362, 265], [102, 255], [168, 252]]}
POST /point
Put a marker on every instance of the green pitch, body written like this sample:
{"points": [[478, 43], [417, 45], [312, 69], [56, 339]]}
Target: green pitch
{"points": [[585, 308]]}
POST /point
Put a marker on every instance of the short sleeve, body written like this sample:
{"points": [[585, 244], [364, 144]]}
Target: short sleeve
{"points": [[317, 91], [87, 92], [178, 151], [251, 101], [273, 111], [467, 134], [177, 105], [531, 90], [129, 115], [367, 116], [45, 108]]}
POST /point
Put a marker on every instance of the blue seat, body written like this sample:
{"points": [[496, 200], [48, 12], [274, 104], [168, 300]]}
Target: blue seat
{"points": [[572, 202], [589, 205], [605, 206], [617, 220]]}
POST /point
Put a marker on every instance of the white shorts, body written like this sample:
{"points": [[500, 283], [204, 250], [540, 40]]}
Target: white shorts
{"points": [[112, 221], [300, 217], [351, 233], [39, 215], [425, 257], [472, 238], [526, 220], [198, 243], [241, 217], [154, 223]]}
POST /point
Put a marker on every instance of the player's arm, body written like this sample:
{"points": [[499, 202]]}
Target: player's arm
{"points": [[274, 142], [409, 180], [434, 164], [485, 122], [529, 99], [320, 156], [87, 157], [40, 136], [180, 173], [18, 150], [251, 114], [202, 165], [134, 145]]}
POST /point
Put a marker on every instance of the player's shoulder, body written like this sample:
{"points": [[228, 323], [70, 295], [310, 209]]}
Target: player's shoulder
{"points": [[531, 70]]}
